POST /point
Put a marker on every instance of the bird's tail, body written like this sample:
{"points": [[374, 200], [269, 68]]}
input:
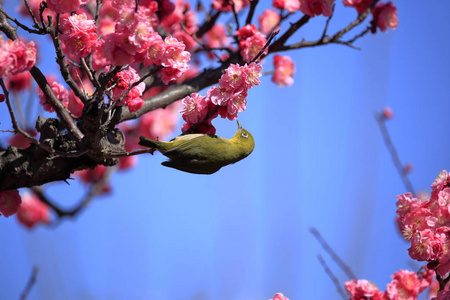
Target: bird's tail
{"points": [[147, 142]]}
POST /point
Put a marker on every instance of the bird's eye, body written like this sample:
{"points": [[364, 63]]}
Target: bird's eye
{"points": [[244, 134]]}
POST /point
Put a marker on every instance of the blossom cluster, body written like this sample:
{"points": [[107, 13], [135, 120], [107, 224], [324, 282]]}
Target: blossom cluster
{"points": [[279, 296], [16, 56], [284, 70], [67, 97], [123, 87], [426, 223], [404, 285], [227, 99], [383, 14], [309, 7], [28, 208], [251, 42]]}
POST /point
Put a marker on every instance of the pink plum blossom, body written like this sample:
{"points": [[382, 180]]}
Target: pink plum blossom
{"points": [[289, 5], [316, 7], [284, 70], [279, 296], [362, 289], [124, 80], [9, 202], [18, 82], [196, 108], [33, 211], [79, 37], [360, 5], [16, 56], [251, 42], [268, 21], [384, 16], [61, 93], [224, 5], [404, 285], [65, 6]]}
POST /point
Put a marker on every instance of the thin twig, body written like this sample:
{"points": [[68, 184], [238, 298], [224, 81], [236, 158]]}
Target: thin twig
{"points": [[30, 283], [333, 278], [251, 11], [394, 154], [333, 254], [126, 154], [233, 9], [94, 190]]}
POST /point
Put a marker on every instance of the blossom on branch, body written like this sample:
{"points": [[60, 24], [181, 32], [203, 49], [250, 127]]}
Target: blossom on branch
{"points": [[224, 5], [33, 211], [79, 37], [384, 16], [268, 21], [61, 93], [427, 224], [65, 6], [251, 42], [289, 5], [360, 5], [16, 56], [123, 84], [317, 7], [363, 289], [284, 70], [9, 202], [279, 296]]}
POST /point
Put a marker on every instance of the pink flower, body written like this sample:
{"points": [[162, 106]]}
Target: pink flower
{"points": [[217, 37], [79, 35], [404, 285], [155, 49], [65, 6], [268, 21], [113, 49], [173, 54], [442, 295], [316, 7], [9, 202], [124, 80], [284, 70], [387, 113], [159, 123], [92, 176], [425, 245], [232, 90], [384, 15], [18, 82], [360, 5], [440, 182], [20, 141], [289, 5], [16, 56], [223, 5], [33, 211], [75, 105], [251, 42], [127, 162], [196, 108], [363, 289], [279, 296], [61, 93]]}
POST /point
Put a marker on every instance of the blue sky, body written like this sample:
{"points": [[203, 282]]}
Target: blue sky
{"points": [[243, 233]]}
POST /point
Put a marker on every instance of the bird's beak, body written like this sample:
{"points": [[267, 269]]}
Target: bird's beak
{"points": [[239, 124]]}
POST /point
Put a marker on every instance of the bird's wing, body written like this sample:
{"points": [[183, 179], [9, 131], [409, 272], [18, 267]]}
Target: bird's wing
{"points": [[198, 147]]}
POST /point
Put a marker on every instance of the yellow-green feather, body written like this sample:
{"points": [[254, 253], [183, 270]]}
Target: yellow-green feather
{"points": [[202, 153]]}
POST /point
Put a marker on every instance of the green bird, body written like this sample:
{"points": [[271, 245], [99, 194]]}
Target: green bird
{"points": [[203, 153]]}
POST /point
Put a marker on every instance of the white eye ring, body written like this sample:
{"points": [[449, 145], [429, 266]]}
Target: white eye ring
{"points": [[244, 134]]}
